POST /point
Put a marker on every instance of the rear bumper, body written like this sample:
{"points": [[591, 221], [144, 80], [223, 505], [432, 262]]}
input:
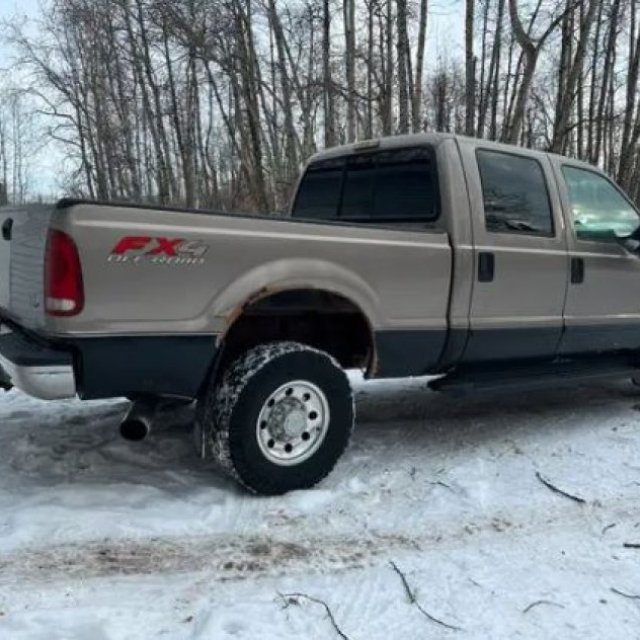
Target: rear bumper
{"points": [[106, 366], [41, 372]]}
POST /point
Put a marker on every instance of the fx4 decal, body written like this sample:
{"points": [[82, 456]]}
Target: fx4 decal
{"points": [[158, 250]]}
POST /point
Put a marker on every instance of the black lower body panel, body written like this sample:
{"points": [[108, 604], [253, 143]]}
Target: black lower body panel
{"points": [[522, 343], [528, 374], [408, 352], [600, 338], [146, 365]]}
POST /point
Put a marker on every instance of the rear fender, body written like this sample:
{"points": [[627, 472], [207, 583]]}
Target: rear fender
{"points": [[283, 275]]}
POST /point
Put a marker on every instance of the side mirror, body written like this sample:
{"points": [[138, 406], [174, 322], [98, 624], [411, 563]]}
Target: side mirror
{"points": [[587, 233], [634, 235], [618, 231]]}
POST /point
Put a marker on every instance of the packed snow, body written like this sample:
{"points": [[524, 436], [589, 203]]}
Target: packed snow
{"points": [[437, 523]]}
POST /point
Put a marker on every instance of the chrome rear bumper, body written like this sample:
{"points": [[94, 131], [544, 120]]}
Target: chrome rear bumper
{"points": [[39, 371]]}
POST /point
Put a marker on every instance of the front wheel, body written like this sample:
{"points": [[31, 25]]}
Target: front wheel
{"points": [[280, 417]]}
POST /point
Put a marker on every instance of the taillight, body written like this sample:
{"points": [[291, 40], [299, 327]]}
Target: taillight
{"points": [[64, 291]]}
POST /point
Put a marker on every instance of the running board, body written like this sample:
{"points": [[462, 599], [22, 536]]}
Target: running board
{"points": [[476, 377]]}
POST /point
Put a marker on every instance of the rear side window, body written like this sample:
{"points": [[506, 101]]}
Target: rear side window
{"points": [[516, 199], [386, 186]]}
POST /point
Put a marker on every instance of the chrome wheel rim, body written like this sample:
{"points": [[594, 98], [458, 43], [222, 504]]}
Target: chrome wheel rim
{"points": [[293, 423]]}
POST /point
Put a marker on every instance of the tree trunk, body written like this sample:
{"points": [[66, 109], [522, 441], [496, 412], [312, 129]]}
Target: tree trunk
{"points": [[470, 69], [328, 93], [350, 65]]}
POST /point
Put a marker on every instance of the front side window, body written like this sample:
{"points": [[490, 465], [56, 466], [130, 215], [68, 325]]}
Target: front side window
{"points": [[515, 194], [598, 209]]}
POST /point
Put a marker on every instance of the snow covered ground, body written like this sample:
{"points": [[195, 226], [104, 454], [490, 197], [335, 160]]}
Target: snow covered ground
{"points": [[106, 540]]}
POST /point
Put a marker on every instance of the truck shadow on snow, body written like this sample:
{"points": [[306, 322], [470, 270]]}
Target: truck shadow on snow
{"points": [[71, 441]]}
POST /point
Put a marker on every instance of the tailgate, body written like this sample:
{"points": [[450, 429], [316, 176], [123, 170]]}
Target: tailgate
{"points": [[23, 238], [5, 260]]}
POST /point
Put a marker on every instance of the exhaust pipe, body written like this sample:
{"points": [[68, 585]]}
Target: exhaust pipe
{"points": [[137, 423]]}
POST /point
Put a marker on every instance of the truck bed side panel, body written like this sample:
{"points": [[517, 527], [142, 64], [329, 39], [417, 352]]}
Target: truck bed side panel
{"points": [[157, 272]]}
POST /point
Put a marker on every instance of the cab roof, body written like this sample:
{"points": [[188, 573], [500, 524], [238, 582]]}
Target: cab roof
{"points": [[434, 140]]}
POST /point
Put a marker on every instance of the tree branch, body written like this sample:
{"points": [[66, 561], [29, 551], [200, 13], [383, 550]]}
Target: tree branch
{"points": [[560, 492], [292, 598], [412, 600]]}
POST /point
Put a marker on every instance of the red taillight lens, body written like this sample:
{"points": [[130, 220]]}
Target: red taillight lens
{"points": [[64, 291]]}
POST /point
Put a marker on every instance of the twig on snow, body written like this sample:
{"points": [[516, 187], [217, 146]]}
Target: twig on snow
{"points": [[609, 526], [291, 598], [631, 596], [555, 489], [537, 603], [631, 545], [412, 600], [439, 483]]}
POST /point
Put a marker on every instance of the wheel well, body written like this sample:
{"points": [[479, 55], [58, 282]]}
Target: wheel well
{"points": [[317, 318]]}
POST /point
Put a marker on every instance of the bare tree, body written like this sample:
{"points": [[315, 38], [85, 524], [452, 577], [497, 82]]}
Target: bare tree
{"points": [[531, 51], [219, 104]]}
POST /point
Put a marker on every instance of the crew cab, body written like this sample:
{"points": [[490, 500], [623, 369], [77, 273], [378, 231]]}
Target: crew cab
{"points": [[477, 263]]}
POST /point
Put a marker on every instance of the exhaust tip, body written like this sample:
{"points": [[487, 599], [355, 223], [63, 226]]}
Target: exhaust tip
{"points": [[134, 429]]}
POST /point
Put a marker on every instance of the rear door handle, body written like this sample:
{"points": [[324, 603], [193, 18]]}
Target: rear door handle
{"points": [[6, 228], [486, 266], [577, 270]]}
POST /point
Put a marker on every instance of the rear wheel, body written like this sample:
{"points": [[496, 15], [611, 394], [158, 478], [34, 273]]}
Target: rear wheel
{"points": [[279, 418]]}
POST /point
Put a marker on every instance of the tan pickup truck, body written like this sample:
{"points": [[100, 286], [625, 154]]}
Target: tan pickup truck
{"points": [[483, 264]]}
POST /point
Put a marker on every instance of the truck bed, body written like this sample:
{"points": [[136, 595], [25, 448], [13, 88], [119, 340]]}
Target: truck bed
{"points": [[196, 285], [162, 287]]}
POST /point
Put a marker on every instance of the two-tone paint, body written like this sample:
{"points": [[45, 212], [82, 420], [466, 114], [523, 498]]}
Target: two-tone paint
{"points": [[163, 287]]}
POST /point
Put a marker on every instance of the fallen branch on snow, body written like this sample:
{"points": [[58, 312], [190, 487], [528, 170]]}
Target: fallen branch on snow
{"points": [[439, 483], [412, 600], [631, 596], [555, 489], [537, 603], [631, 545], [292, 598]]}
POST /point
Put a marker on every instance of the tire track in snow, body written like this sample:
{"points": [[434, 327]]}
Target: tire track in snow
{"points": [[227, 559]]}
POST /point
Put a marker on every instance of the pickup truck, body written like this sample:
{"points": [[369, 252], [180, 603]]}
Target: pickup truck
{"points": [[481, 264]]}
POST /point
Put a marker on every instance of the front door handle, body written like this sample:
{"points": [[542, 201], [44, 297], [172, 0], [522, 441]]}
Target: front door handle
{"points": [[577, 270], [486, 266]]}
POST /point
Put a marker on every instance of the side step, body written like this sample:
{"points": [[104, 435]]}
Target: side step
{"points": [[491, 376]]}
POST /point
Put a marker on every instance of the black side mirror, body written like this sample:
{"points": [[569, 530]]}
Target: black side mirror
{"points": [[634, 235], [608, 235]]}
